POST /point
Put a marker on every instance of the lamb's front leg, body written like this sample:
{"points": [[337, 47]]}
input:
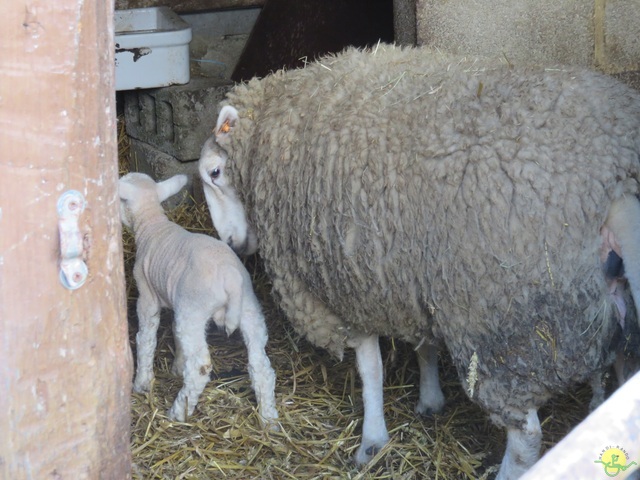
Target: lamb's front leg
{"points": [[148, 309], [262, 375], [431, 397], [191, 335], [374, 429]]}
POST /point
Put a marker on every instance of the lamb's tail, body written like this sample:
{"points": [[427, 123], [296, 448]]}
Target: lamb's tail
{"points": [[624, 222]]}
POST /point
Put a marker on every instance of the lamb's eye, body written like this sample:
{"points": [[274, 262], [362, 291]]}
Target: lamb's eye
{"points": [[215, 173]]}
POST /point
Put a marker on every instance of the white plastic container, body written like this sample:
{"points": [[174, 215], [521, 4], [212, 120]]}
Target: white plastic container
{"points": [[152, 48]]}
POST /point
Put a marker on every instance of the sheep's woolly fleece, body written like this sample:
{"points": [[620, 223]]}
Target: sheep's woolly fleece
{"points": [[410, 194]]}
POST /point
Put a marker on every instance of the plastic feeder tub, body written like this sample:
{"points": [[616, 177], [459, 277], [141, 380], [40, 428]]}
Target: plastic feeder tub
{"points": [[152, 48]]}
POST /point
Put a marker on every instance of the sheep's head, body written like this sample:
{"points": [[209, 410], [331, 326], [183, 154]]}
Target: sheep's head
{"points": [[138, 191], [227, 212]]}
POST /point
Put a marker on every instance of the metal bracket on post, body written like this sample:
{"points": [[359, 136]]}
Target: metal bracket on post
{"points": [[73, 270]]}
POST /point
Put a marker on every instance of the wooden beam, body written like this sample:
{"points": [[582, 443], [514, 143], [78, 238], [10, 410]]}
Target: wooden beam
{"points": [[65, 361], [186, 6], [615, 424]]}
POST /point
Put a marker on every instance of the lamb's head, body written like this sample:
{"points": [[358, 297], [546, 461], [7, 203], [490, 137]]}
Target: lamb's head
{"points": [[227, 211], [139, 193]]}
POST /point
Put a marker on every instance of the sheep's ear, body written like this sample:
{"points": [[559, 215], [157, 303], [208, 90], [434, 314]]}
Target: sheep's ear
{"points": [[227, 121], [170, 186]]}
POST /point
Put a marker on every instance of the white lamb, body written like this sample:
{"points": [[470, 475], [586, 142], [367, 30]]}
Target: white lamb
{"points": [[200, 278]]}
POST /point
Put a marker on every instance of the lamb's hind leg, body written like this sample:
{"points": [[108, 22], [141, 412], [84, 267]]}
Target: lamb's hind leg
{"points": [[523, 448], [431, 397], [262, 375], [191, 335], [177, 368], [374, 429], [148, 310]]}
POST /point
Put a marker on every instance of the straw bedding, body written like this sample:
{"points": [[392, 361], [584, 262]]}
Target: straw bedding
{"points": [[319, 402]]}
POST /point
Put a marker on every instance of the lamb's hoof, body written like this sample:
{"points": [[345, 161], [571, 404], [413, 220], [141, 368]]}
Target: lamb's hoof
{"points": [[176, 413], [142, 387], [176, 370], [272, 426]]}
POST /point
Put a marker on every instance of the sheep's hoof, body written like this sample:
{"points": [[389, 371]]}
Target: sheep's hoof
{"points": [[427, 411], [430, 408], [366, 452], [372, 451], [431, 405]]}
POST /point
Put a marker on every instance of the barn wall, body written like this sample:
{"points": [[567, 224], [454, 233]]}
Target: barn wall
{"points": [[593, 33], [65, 363]]}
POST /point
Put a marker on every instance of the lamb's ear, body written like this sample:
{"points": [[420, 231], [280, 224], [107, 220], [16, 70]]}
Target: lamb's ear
{"points": [[170, 187], [126, 190], [227, 121]]}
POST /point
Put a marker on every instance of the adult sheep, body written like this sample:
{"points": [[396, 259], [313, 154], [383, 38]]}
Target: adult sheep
{"points": [[404, 193]]}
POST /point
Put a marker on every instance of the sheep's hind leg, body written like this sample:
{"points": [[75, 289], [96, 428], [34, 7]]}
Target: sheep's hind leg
{"points": [[523, 448], [431, 397], [374, 429], [190, 333]]}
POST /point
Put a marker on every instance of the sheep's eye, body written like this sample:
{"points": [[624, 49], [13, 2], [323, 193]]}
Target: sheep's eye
{"points": [[215, 173]]}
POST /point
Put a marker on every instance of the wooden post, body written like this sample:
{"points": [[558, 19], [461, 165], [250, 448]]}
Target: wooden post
{"points": [[65, 362]]}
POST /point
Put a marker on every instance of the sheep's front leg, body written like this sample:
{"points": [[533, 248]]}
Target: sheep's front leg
{"points": [[190, 334], [262, 375], [431, 397], [374, 430], [597, 390], [523, 448], [148, 309]]}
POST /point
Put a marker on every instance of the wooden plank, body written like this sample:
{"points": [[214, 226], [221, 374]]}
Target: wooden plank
{"points": [[614, 424], [65, 361], [186, 6]]}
